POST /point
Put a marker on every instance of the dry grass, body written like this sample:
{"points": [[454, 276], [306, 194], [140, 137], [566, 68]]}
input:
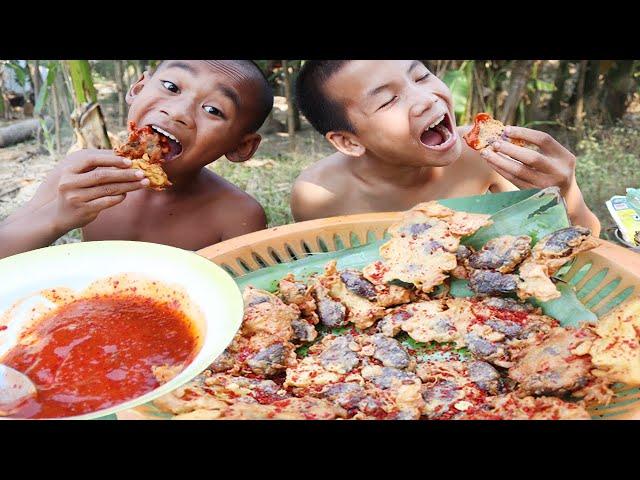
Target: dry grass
{"points": [[268, 177]]}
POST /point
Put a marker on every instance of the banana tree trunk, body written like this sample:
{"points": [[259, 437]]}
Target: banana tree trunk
{"points": [[288, 93], [56, 116], [580, 95], [621, 83], [37, 85], [519, 77], [87, 118], [3, 103], [121, 88], [62, 94], [561, 79]]}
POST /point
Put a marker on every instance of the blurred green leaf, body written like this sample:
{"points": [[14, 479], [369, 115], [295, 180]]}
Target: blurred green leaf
{"points": [[458, 83], [545, 86], [21, 75], [52, 67]]}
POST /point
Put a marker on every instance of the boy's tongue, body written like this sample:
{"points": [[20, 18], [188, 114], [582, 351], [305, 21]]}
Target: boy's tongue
{"points": [[175, 149], [433, 136]]}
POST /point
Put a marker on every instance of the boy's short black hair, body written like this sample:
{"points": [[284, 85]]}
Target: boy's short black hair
{"points": [[323, 113], [265, 96]]}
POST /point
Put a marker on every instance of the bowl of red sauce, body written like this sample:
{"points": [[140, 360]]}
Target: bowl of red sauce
{"points": [[101, 327]]}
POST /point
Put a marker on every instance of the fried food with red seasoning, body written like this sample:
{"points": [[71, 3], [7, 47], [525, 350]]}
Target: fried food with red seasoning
{"points": [[487, 130], [146, 149]]}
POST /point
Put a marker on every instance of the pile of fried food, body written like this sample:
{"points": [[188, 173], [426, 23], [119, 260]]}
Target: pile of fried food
{"points": [[146, 149], [389, 342]]}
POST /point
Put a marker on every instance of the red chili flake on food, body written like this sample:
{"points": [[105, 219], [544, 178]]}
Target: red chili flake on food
{"points": [[189, 395], [379, 413], [572, 358], [582, 333], [244, 354], [3, 327], [513, 316]]}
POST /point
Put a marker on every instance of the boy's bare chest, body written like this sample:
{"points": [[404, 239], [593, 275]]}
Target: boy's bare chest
{"points": [[180, 224], [396, 198]]}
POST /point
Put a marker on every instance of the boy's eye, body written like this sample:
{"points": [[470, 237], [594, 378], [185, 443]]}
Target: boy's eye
{"points": [[172, 87], [424, 77], [387, 103], [213, 111]]}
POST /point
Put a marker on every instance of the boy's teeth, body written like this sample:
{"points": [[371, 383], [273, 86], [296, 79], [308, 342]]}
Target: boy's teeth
{"points": [[438, 120], [165, 133]]}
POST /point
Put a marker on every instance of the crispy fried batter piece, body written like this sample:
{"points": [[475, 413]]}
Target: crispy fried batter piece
{"points": [[447, 390], [158, 179], [356, 293], [487, 130], [297, 293], [423, 245], [502, 254], [616, 351], [263, 345], [165, 373], [512, 407], [146, 149], [549, 254]]}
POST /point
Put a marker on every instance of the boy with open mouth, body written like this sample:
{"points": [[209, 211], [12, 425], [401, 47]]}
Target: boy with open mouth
{"points": [[188, 114], [392, 123]]}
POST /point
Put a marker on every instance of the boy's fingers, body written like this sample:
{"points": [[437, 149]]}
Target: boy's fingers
{"points": [[112, 189], [107, 159], [527, 156], [516, 169], [103, 176], [543, 140], [513, 179], [105, 202]]}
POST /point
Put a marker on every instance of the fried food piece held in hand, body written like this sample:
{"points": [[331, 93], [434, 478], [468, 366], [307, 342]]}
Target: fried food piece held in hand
{"points": [[487, 130], [147, 148]]}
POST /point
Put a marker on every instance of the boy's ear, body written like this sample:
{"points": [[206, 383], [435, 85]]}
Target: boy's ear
{"points": [[245, 150], [135, 89], [346, 143]]}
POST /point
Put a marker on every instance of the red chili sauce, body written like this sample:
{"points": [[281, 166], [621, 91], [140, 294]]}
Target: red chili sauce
{"points": [[98, 352], [473, 136]]}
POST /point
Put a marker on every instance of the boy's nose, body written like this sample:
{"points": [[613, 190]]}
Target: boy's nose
{"points": [[177, 114], [422, 102]]}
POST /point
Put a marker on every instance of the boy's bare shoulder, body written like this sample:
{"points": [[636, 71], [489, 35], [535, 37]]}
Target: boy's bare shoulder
{"points": [[235, 211], [320, 189], [323, 172]]}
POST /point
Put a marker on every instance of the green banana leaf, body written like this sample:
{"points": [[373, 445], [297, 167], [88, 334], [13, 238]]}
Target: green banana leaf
{"points": [[528, 212]]}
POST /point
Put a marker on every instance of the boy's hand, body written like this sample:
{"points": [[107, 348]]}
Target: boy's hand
{"points": [[553, 165], [91, 181]]}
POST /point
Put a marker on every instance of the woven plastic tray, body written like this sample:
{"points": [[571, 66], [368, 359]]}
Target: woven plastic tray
{"points": [[603, 277]]}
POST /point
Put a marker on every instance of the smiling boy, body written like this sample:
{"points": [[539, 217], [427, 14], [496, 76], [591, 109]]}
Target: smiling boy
{"points": [[392, 123], [207, 109]]}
